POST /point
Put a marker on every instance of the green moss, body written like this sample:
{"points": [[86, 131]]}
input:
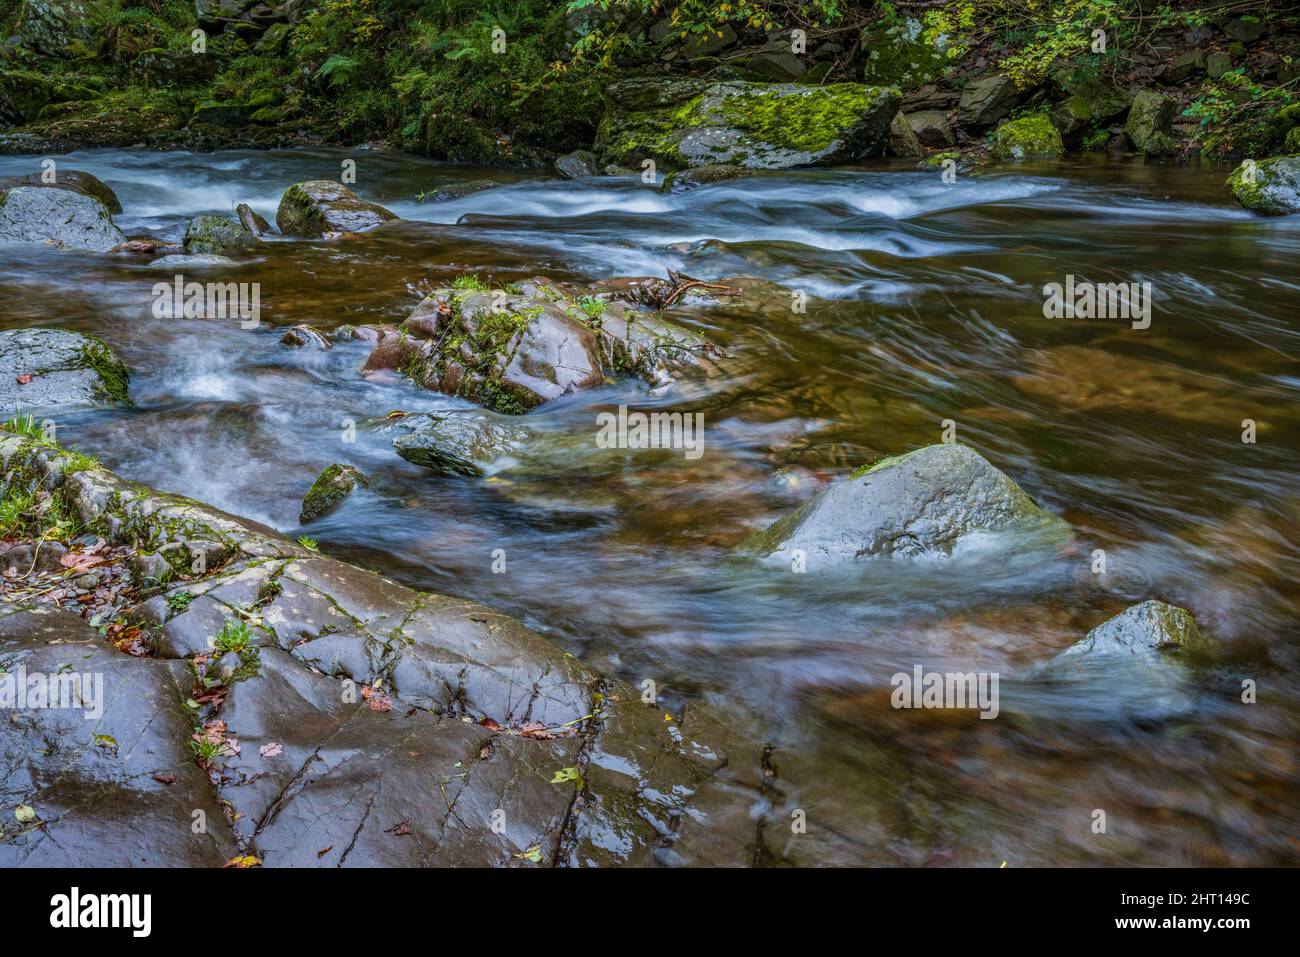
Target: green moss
{"points": [[811, 122], [1026, 137], [114, 377]]}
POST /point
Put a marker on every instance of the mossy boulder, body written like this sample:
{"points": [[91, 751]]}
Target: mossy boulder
{"points": [[1029, 136], [512, 349], [334, 484], [52, 27], [896, 52], [682, 123], [1150, 123], [1271, 186], [1071, 115], [1104, 101], [53, 369], [321, 206], [75, 180], [927, 502], [219, 235], [58, 217], [24, 93]]}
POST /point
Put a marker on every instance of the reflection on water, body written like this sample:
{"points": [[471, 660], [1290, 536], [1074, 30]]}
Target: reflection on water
{"points": [[924, 305]]}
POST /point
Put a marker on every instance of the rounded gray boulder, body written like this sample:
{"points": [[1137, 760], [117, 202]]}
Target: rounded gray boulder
{"points": [[926, 502], [61, 217]]}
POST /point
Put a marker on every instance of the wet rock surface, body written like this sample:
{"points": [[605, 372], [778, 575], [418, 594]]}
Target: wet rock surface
{"points": [[321, 715], [58, 217], [511, 350], [1144, 656], [322, 207], [209, 234], [927, 502], [48, 369], [1270, 187], [334, 484], [75, 180]]}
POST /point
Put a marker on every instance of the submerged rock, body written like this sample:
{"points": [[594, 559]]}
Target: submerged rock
{"points": [[1139, 660], [926, 502], [461, 443], [1150, 123], [304, 335], [1027, 137], [49, 369], [61, 217], [73, 179], [683, 180], [1276, 187], [448, 192], [210, 234], [1143, 633], [334, 484], [320, 206], [683, 123]]}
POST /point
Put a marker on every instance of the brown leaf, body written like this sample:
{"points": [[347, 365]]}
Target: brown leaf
{"points": [[165, 778], [399, 830], [24, 379]]}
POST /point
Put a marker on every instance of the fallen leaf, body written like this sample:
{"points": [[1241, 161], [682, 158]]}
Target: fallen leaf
{"points": [[165, 778], [247, 861], [399, 830], [106, 741], [24, 379], [270, 750], [25, 813], [533, 854], [323, 851], [565, 774]]}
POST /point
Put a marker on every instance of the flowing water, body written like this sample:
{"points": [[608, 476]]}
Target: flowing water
{"points": [[925, 304]]}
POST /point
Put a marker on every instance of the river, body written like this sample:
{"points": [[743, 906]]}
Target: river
{"points": [[924, 309]]}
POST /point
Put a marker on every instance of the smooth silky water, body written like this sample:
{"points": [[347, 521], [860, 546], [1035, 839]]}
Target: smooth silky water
{"points": [[925, 305]]}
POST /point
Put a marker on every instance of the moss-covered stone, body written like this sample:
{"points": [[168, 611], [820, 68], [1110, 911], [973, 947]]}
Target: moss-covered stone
{"points": [[685, 123], [49, 369], [334, 484], [1150, 123], [24, 93], [209, 233], [320, 206], [898, 53], [73, 179], [1270, 186], [1026, 137]]}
